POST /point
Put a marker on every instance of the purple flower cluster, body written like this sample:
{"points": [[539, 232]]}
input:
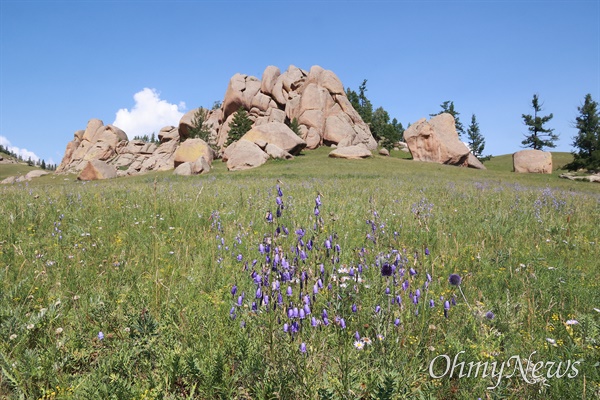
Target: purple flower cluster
{"points": [[301, 283]]}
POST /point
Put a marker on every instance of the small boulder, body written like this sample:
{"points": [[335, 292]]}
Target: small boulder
{"points": [[35, 174], [96, 170], [244, 154], [355, 152], [384, 152], [532, 161], [278, 153]]}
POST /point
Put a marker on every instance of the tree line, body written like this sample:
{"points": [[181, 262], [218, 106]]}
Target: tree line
{"points": [[40, 163]]}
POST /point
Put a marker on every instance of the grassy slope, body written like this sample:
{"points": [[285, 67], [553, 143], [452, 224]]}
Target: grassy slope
{"points": [[7, 170], [150, 242]]}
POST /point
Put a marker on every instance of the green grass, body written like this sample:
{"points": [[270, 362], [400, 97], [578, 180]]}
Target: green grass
{"points": [[7, 170], [150, 261]]}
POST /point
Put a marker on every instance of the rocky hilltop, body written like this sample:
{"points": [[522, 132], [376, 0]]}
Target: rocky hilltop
{"points": [[316, 98]]}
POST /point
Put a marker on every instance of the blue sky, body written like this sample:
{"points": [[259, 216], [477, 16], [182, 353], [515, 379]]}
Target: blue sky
{"points": [[65, 62]]}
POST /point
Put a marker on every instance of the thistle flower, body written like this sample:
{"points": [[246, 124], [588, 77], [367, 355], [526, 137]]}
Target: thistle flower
{"points": [[454, 279], [490, 315]]}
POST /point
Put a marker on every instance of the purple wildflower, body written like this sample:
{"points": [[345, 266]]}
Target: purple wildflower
{"points": [[490, 315], [386, 269], [303, 347], [100, 335], [234, 290], [454, 279], [354, 309]]}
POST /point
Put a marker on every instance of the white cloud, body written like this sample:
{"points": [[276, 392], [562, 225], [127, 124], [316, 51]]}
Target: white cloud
{"points": [[24, 153], [149, 114]]}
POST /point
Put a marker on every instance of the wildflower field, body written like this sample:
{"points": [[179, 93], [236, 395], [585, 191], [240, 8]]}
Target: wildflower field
{"points": [[306, 279]]}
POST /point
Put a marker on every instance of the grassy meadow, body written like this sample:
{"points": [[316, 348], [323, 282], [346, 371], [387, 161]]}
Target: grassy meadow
{"points": [[313, 278]]}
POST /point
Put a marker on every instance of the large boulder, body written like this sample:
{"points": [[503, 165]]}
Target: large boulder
{"points": [[244, 154], [191, 150], [437, 141], [96, 170], [355, 152], [532, 161], [278, 134]]}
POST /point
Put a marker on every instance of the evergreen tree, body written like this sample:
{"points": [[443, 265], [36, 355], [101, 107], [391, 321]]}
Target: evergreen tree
{"points": [[239, 126], [360, 102], [200, 128], [43, 164], [295, 126], [537, 131], [587, 141], [153, 138], [448, 107], [29, 162], [476, 140], [384, 131]]}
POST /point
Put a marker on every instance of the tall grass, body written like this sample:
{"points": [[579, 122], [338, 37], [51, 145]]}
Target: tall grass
{"points": [[123, 289]]}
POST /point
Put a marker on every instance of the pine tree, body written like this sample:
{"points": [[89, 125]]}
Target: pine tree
{"points": [[448, 107], [476, 140], [360, 102], [43, 164], [587, 141], [239, 126], [537, 131], [200, 128], [295, 126]]}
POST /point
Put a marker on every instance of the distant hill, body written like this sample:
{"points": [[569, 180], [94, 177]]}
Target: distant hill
{"points": [[10, 166]]}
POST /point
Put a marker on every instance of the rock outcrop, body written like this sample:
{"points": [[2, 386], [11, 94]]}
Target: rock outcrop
{"points": [[437, 141], [532, 161], [315, 98]]}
